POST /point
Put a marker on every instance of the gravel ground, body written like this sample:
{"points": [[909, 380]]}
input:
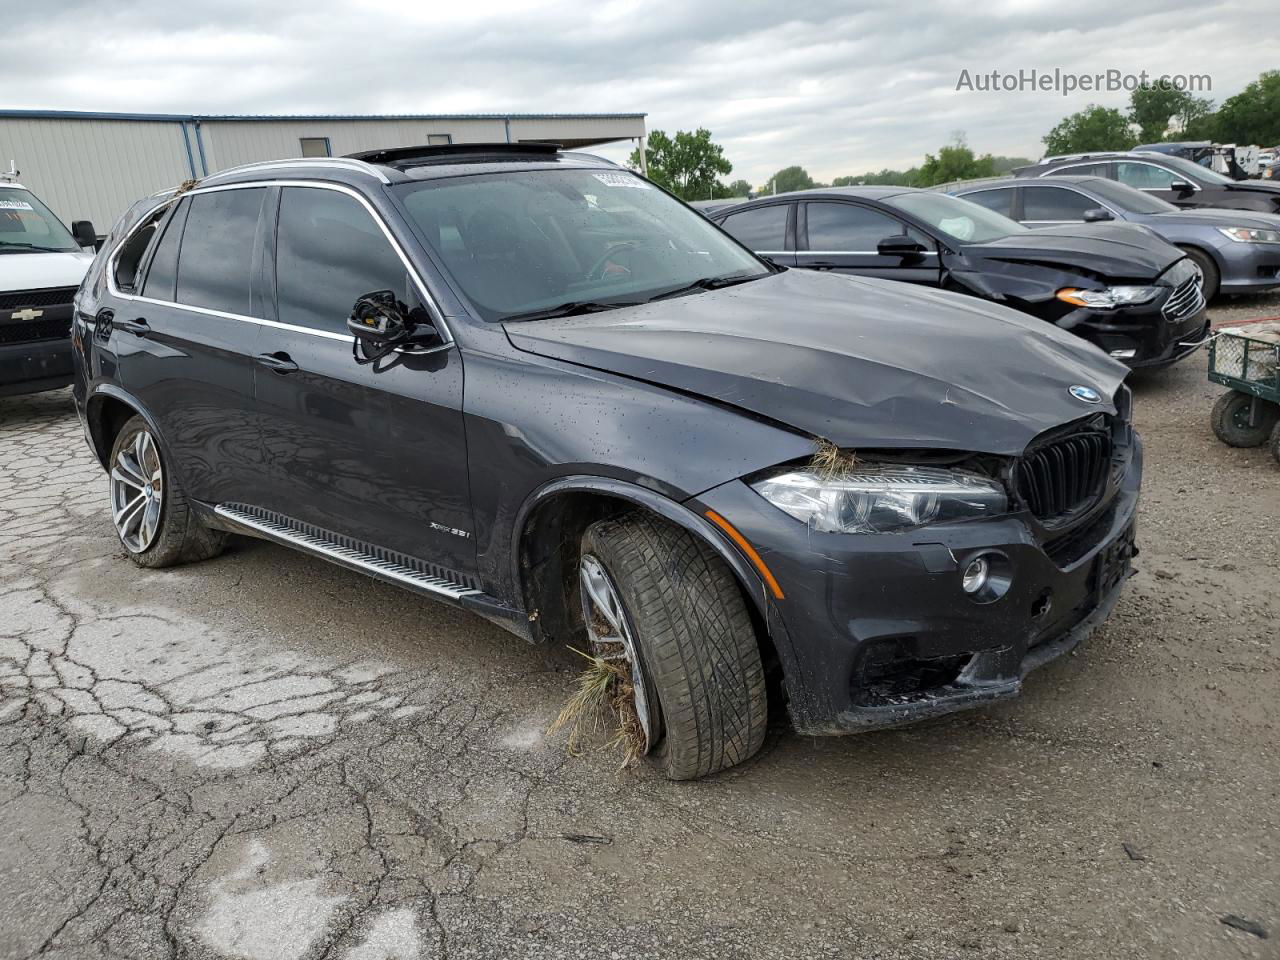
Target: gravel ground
{"points": [[264, 757]]}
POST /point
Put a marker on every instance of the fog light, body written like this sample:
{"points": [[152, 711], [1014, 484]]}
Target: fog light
{"points": [[975, 575]]}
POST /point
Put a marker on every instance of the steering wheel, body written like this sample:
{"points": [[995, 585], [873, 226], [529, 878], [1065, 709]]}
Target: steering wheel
{"points": [[597, 269]]}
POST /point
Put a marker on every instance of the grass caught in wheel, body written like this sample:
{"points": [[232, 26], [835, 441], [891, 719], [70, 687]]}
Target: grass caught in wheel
{"points": [[603, 697]]}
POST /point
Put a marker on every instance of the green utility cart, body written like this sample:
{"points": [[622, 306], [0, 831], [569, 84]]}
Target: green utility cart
{"points": [[1248, 363]]}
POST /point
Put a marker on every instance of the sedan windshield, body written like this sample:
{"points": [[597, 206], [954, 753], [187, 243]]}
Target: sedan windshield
{"points": [[27, 225], [528, 244], [959, 219], [1127, 198]]}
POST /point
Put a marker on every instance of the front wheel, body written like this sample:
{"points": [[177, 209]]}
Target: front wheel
{"points": [[1211, 280], [1231, 420], [149, 508], [659, 599], [1274, 442]]}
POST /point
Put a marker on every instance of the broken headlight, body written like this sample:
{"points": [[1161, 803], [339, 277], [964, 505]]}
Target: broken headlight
{"points": [[882, 499]]}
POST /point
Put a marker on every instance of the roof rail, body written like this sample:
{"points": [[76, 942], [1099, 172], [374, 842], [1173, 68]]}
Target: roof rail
{"points": [[407, 155], [347, 163]]}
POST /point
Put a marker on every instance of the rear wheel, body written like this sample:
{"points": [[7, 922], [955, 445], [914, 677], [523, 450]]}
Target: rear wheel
{"points": [[1231, 420], [1208, 270], [149, 508], [660, 599]]}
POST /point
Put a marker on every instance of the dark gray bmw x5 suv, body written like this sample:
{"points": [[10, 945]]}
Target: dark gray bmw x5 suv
{"points": [[532, 384]]}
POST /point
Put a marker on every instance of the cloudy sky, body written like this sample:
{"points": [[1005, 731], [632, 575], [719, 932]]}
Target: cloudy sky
{"points": [[839, 87]]}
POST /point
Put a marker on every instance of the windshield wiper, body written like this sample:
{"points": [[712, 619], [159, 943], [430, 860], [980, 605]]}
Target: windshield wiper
{"points": [[571, 309], [708, 283], [31, 246]]}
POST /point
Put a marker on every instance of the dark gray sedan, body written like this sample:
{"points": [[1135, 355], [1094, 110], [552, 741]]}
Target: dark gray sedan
{"points": [[1238, 251]]}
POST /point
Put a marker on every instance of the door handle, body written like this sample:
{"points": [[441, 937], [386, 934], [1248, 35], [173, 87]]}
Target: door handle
{"points": [[139, 326], [278, 362]]}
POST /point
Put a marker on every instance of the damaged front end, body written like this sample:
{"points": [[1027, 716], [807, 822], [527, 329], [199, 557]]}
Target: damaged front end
{"points": [[882, 626]]}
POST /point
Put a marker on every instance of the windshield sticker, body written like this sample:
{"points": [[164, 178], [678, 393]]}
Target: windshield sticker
{"points": [[621, 180], [15, 205]]}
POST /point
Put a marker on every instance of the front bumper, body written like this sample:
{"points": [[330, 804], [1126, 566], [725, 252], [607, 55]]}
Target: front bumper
{"points": [[1249, 267], [36, 366], [1139, 336], [875, 631]]}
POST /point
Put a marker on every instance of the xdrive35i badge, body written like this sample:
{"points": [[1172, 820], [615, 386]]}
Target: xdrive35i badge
{"points": [[1085, 394]]}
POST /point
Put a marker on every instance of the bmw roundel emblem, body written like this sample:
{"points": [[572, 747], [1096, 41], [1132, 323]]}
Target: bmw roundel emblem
{"points": [[1085, 394]]}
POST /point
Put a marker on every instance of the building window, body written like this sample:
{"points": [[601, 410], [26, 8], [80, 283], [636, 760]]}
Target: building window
{"points": [[315, 147], [437, 139]]}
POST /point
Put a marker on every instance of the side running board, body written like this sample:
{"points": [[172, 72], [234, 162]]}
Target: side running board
{"points": [[312, 540]]}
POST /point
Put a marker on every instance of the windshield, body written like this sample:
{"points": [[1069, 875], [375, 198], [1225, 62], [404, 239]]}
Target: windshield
{"points": [[959, 219], [1129, 199], [26, 224], [518, 243], [1202, 174]]}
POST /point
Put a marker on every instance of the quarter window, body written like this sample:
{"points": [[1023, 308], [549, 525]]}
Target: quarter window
{"points": [[1054, 203], [1001, 201], [329, 253], [1144, 176], [849, 228], [764, 228], [162, 275], [215, 265]]}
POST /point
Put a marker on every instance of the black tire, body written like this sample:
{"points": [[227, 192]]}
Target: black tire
{"points": [[1274, 442], [697, 645], [180, 536], [1209, 269], [1230, 419]]}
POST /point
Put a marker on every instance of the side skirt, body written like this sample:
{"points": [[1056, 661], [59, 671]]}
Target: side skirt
{"points": [[407, 572]]}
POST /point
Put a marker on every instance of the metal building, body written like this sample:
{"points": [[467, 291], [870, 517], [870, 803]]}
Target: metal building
{"points": [[91, 166]]}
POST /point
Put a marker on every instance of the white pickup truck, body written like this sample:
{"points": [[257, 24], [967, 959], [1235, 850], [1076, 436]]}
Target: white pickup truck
{"points": [[41, 265]]}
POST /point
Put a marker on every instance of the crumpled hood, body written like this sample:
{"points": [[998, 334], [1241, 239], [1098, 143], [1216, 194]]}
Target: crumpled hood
{"points": [[34, 270], [1114, 250], [1255, 186], [863, 363]]}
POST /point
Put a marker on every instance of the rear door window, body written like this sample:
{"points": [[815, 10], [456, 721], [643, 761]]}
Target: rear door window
{"points": [[329, 253], [1054, 203], [215, 269], [1001, 201], [762, 229]]}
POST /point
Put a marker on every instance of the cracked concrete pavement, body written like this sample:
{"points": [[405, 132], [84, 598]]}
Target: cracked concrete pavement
{"points": [[266, 757]]}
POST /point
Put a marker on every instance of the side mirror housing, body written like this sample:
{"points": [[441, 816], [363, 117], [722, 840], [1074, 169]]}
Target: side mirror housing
{"points": [[1181, 187], [84, 234], [903, 246], [1097, 215], [380, 323]]}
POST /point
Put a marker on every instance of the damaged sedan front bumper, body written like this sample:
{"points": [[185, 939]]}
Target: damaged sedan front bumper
{"points": [[877, 630]]}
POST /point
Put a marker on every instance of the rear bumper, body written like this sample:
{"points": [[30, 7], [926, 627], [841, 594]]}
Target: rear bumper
{"points": [[33, 367], [875, 631]]}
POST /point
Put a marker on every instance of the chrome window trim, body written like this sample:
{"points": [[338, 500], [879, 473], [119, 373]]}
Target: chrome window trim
{"points": [[860, 253], [115, 291]]}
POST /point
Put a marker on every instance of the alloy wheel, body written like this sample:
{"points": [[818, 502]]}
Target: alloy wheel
{"points": [[611, 635], [137, 492]]}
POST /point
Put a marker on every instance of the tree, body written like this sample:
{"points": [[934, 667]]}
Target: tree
{"points": [[739, 188], [1093, 128], [1253, 114], [954, 162], [688, 164], [1155, 109], [791, 178], [1003, 165]]}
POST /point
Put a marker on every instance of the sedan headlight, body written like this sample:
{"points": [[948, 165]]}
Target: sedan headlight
{"points": [[1250, 235], [886, 499], [1108, 298]]}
